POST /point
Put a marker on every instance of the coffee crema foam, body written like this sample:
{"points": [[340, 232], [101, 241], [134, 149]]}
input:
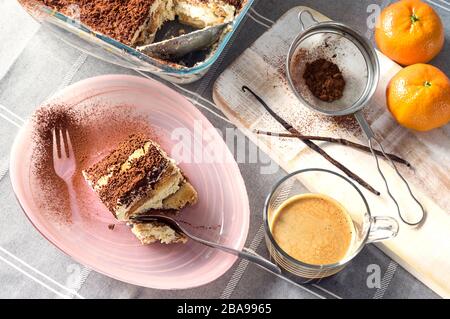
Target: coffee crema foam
{"points": [[313, 228]]}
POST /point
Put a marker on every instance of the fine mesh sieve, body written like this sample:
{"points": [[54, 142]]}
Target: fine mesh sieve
{"points": [[339, 44], [358, 62], [334, 47]]}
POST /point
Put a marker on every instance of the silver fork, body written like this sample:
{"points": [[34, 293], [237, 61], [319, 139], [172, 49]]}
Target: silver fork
{"points": [[64, 165], [245, 253]]}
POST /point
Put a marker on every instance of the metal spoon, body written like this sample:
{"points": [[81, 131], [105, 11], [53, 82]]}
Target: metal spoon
{"points": [[245, 253], [184, 44]]}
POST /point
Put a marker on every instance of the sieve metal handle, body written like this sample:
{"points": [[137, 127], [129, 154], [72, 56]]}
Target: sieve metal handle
{"points": [[372, 139], [364, 125], [306, 19]]}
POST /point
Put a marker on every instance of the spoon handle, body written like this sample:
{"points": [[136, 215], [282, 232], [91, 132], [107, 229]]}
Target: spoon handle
{"points": [[245, 253], [252, 256]]}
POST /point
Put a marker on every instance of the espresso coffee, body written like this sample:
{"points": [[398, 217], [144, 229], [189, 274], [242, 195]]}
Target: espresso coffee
{"points": [[313, 228]]}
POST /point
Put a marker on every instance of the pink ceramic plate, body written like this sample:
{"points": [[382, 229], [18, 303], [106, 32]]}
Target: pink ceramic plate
{"points": [[117, 253]]}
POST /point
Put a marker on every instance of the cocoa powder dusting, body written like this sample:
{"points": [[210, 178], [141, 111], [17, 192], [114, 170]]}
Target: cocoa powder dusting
{"points": [[45, 120], [93, 131]]}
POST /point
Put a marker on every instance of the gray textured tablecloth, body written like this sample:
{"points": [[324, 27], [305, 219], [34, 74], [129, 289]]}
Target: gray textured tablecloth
{"points": [[34, 65]]}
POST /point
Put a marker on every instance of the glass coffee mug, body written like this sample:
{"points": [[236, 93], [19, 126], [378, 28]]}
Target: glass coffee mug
{"points": [[367, 228]]}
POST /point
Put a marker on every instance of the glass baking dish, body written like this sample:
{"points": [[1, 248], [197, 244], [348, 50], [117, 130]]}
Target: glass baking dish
{"points": [[105, 48]]}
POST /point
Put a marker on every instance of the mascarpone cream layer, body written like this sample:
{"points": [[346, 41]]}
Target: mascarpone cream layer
{"points": [[204, 14]]}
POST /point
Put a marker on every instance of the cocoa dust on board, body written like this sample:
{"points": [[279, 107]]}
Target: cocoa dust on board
{"points": [[93, 131]]}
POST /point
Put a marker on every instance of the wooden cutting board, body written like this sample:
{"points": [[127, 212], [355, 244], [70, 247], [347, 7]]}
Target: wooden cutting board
{"points": [[423, 251]]}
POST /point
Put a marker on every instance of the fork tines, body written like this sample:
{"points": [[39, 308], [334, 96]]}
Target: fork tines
{"points": [[61, 143]]}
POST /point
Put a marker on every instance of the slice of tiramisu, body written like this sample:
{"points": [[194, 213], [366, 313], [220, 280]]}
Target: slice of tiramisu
{"points": [[138, 177], [151, 232]]}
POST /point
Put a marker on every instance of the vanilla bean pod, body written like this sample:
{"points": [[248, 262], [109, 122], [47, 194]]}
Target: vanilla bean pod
{"points": [[341, 141], [311, 144]]}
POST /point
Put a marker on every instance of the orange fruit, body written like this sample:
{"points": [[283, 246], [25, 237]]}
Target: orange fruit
{"points": [[419, 97], [409, 32]]}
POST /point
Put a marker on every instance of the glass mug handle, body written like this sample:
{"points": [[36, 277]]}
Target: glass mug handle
{"points": [[382, 228], [306, 19]]}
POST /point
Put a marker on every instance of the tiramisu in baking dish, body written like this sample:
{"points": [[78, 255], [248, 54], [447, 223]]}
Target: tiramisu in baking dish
{"points": [[138, 177], [135, 22]]}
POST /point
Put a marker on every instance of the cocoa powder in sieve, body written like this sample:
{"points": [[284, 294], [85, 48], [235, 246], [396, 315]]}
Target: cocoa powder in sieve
{"points": [[324, 80]]}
